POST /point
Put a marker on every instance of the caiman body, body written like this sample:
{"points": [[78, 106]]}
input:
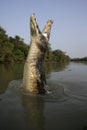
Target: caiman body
{"points": [[34, 76]]}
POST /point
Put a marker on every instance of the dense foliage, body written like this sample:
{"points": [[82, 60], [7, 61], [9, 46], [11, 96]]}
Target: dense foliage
{"points": [[15, 50], [56, 56], [12, 49], [79, 59]]}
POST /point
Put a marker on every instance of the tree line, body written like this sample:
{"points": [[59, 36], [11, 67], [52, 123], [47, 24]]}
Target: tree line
{"points": [[15, 50], [79, 59]]}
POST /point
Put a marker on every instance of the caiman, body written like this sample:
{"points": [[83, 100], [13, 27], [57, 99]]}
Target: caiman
{"points": [[34, 80]]}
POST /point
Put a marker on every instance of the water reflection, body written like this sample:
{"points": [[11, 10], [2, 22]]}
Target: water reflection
{"points": [[80, 62], [54, 67], [34, 111], [9, 72], [63, 109], [35, 105]]}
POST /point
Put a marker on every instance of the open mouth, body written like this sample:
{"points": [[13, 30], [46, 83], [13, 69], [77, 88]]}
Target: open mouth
{"points": [[35, 31]]}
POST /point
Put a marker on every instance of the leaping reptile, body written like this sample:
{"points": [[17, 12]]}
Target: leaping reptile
{"points": [[34, 76]]}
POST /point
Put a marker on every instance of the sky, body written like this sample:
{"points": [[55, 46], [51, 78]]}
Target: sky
{"points": [[69, 30]]}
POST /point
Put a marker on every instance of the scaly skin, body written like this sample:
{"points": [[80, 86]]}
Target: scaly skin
{"points": [[34, 77]]}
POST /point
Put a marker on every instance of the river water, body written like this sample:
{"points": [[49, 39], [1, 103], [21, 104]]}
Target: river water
{"points": [[64, 107]]}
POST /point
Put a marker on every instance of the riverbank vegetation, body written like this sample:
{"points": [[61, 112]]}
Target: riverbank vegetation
{"points": [[79, 59], [15, 50]]}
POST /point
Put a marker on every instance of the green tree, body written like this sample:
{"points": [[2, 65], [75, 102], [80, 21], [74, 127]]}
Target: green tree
{"points": [[15, 50], [3, 44], [18, 55], [48, 55], [20, 45], [12, 49], [59, 56]]}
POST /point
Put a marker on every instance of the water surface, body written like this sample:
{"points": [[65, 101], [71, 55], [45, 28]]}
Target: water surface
{"points": [[64, 108]]}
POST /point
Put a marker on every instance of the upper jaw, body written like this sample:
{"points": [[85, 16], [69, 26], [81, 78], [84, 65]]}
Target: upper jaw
{"points": [[35, 31]]}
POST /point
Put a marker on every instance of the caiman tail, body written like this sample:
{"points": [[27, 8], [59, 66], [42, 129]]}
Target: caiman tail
{"points": [[34, 76]]}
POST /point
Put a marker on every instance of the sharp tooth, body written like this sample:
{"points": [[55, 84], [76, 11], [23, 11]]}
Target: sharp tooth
{"points": [[45, 34]]}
